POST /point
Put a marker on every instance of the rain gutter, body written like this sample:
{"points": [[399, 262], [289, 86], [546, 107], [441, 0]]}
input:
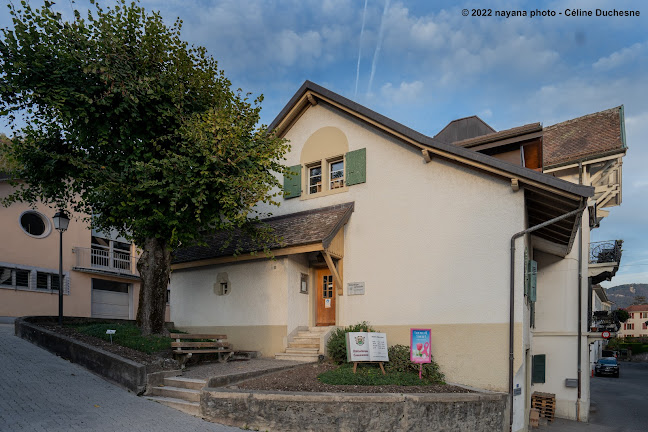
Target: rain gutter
{"points": [[580, 209]]}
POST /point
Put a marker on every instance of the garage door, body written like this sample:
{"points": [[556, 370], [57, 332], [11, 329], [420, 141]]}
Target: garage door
{"points": [[110, 299]]}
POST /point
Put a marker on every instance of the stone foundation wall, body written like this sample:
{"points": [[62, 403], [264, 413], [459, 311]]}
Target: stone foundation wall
{"points": [[345, 412]]}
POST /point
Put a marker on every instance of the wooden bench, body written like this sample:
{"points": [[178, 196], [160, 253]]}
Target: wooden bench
{"points": [[186, 345]]}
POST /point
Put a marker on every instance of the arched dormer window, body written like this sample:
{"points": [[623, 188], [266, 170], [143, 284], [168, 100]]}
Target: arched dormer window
{"points": [[327, 166]]}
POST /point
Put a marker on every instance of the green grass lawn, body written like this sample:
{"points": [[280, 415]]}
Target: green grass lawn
{"points": [[127, 335], [369, 374]]}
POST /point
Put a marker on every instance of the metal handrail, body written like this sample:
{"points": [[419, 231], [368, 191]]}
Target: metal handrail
{"points": [[608, 251], [101, 258]]}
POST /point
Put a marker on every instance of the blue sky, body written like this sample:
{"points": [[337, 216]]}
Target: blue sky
{"points": [[424, 64]]}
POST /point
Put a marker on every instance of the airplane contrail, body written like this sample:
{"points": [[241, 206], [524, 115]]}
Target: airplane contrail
{"points": [[378, 46], [364, 14]]}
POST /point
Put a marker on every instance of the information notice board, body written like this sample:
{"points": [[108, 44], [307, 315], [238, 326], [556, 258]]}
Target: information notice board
{"points": [[366, 347]]}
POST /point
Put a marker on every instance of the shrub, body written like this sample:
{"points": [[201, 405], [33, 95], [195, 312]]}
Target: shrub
{"points": [[399, 361], [336, 345]]}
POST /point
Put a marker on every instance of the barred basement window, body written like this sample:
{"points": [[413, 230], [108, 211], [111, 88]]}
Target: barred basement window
{"points": [[47, 281], [32, 279]]}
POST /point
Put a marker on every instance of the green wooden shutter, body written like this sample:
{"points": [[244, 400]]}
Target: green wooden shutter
{"points": [[356, 165], [538, 368], [292, 182], [533, 280]]}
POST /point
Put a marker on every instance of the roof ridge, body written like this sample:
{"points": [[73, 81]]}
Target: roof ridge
{"points": [[501, 134], [583, 117], [464, 118]]}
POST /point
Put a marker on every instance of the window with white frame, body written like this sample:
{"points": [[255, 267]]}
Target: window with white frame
{"points": [[30, 279], [315, 179], [336, 174]]}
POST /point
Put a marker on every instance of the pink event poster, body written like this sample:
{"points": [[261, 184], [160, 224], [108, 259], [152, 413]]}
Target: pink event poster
{"points": [[420, 345]]}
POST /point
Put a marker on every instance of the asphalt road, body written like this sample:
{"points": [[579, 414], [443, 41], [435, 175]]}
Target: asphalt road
{"points": [[621, 402], [40, 392]]}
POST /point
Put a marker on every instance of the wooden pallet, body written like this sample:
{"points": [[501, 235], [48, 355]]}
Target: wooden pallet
{"points": [[545, 403]]}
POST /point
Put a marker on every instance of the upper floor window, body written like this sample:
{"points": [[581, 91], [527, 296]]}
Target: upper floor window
{"points": [[326, 166], [336, 174], [315, 179], [35, 224]]}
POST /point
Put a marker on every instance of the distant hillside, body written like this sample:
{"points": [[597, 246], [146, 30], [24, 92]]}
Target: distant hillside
{"points": [[623, 295]]}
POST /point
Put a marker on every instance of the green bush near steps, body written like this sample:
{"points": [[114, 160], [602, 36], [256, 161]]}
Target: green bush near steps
{"points": [[336, 345]]}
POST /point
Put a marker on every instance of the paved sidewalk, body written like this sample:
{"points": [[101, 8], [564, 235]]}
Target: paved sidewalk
{"points": [[41, 392]]}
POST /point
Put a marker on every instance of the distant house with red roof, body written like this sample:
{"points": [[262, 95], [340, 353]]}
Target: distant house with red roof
{"points": [[636, 326]]}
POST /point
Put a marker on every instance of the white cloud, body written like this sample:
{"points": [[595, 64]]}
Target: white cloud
{"points": [[291, 47], [405, 93], [621, 57], [485, 114]]}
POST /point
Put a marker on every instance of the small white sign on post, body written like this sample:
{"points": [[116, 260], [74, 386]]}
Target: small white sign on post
{"points": [[111, 332], [355, 288]]}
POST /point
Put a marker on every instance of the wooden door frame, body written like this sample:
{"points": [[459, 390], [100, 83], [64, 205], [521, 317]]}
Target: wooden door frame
{"points": [[319, 272]]}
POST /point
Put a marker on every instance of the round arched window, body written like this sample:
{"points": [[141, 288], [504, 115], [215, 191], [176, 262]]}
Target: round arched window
{"points": [[35, 224]]}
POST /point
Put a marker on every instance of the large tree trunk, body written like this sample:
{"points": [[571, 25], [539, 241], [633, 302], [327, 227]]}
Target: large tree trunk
{"points": [[154, 267]]}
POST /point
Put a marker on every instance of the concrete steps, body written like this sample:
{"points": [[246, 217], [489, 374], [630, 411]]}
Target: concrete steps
{"points": [[297, 357], [192, 408], [180, 393], [304, 346]]}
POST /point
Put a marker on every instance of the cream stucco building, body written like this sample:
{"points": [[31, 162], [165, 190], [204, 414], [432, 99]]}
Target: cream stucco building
{"points": [[465, 233], [100, 277]]}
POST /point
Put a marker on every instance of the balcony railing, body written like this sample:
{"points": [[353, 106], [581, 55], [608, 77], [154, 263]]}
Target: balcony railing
{"points": [[608, 251], [102, 258]]}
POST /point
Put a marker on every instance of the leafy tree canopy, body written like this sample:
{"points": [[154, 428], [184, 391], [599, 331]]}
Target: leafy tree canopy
{"points": [[124, 120]]}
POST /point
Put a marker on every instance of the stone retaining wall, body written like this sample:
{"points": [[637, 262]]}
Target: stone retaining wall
{"points": [[123, 371], [355, 412]]}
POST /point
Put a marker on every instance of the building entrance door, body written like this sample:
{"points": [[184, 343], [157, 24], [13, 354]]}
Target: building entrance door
{"points": [[325, 298]]}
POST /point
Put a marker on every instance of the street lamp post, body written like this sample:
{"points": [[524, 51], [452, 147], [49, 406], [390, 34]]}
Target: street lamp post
{"points": [[61, 222]]}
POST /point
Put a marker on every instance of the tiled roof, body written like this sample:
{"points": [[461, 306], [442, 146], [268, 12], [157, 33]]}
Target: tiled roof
{"points": [[508, 133], [579, 138], [637, 308], [295, 229]]}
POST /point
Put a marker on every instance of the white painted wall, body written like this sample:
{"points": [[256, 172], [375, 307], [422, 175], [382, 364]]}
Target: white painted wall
{"points": [[257, 297], [430, 241], [556, 330], [297, 305]]}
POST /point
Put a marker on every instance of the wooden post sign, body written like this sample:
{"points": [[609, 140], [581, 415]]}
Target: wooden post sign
{"points": [[420, 347], [367, 347]]}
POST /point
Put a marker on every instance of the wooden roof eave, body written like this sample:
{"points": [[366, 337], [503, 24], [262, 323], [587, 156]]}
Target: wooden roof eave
{"points": [[428, 146], [319, 246]]}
